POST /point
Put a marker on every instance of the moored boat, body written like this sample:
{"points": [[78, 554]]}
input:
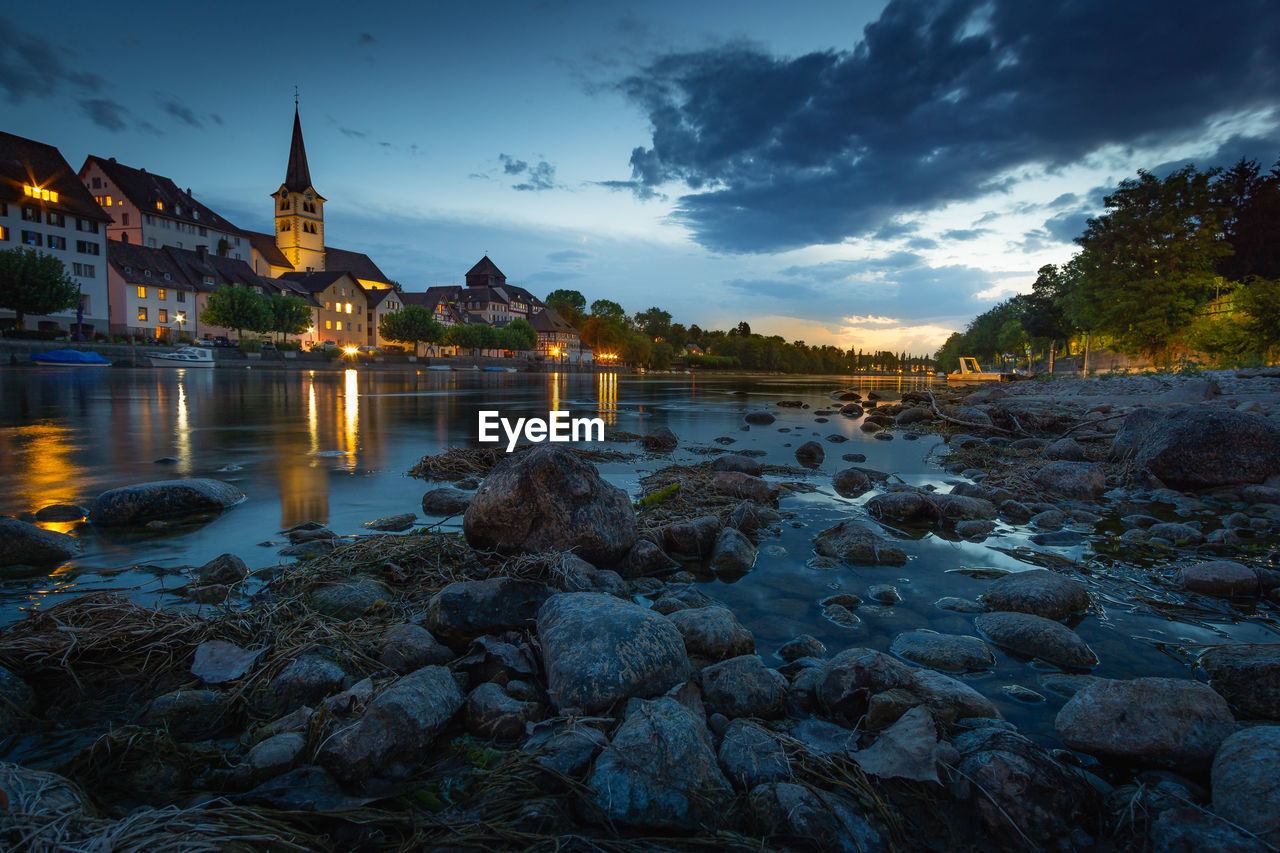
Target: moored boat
{"points": [[183, 357], [69, 358], [970, 372], [439, 367]]}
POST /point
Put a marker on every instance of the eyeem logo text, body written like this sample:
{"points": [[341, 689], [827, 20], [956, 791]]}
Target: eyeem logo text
{"points": [[557, 427]]}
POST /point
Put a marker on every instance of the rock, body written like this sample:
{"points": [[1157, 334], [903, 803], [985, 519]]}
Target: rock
{"points": [[597, 650], [858, 545], [745, 486], [398, 729], [811, 818], [733, 552], [949, 698], [1160, 721], [1247, 676], [1178, 534], [1078, 480], [224, 569], [907, 507], [17, 699], [744, 687], [1036, 637], [810, 454], [308, 549], [884, 593], [851, 482], [464, 610], [1059, 538], [567, 750], [750, 755], [217, 661], [349, 600], [659, 439], [1015, 512], [1173, 448], [692, 539], [737, 463], [1037, 591], [1222, 578], [913, 415], [1246, 786], [445, 500], [25, 544], [1066, 450], [1066, 683], [1249, 494], [276, 754], [190, 714], [1022, 794], [959, 605], [645, 558], [1051, 519], [144, 502], [713, 633], [303, 789], [392, 523], [848, 680], [802, 646], [1190, 829], [65, 512], [975, 529], [310, 534], [950, 652], [492, 713], [306, 680], [749, 516], [407, 647], [908, 749], [660, 771], [547, 499]]}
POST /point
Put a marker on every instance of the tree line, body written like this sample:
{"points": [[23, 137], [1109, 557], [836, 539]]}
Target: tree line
{"points": [[1175, 266]]}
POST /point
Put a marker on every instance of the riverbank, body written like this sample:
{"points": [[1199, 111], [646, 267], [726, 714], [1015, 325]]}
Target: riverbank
{"points": [[424, 689]]}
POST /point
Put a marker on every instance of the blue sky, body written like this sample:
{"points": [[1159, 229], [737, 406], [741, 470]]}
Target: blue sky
{"points": [[862, 173]]}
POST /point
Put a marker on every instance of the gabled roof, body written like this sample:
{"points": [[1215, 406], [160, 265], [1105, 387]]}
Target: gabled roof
{"points": [[186, 269], [373, 298], [485, 272], [297, 176], [549, 321], [27, 162], [358, 264], [313, 282], [144, 190], [266, 245]]}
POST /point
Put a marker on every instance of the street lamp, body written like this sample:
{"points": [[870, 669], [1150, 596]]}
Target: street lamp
{"points": [[180, 318]]}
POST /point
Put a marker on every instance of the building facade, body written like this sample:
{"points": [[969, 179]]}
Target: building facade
{"points": [[44, 207], [339, 308]]}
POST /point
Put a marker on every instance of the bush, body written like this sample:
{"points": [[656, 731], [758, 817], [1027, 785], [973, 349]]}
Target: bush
{"points": [[250, 345], [291, 346]]}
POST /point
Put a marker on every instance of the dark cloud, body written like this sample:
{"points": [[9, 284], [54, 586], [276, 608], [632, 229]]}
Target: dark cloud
{"points": [[32, 67], [106, 114], [367, 38], [1064, 200], [642, 192], [352, 133], [890, 230], [512, 166], [540, 176], [568, 255], [965, 233], [936, 104], [216, 119], [1065, 227], [922, 243], [178, 110]]}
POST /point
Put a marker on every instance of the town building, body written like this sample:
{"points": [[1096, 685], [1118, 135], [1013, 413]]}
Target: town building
{"points": [[558, 341], [488, 296], [43, 206], [339, 306], [150, 210]]}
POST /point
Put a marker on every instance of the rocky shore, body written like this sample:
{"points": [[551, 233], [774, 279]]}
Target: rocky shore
{"points": [[555, 676]]}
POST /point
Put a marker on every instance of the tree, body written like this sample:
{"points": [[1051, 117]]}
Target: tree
{"points": [[607, 309], [412, 324], [475, 337], [677, 335], [655, 322], [34, 283], [660, 355], [1259, 299], [238, 308], [569, 304], [519, 336], [289, 314], [1043, 310]]}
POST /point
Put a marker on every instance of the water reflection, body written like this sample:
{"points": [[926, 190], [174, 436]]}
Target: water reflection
{"points": [[182, 431], [607, 392]]}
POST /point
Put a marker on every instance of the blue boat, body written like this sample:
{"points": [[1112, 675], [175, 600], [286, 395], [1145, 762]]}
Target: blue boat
{"points": [[70, 358]]}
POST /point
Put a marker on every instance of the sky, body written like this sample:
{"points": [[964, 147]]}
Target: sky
{"points": [[858, 173]]}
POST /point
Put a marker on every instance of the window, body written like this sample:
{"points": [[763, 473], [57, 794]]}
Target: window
{"points": [[97, 183], [166, 223], [159, 205], [4, 233], [56, 219], [30, 214], [167, 276], [160, 292], [84, 303], [57, 242], [328, 324], [151, 241], [142, 315], [40, 194], [32, 238], [77, 269], [124, 219], [87, 270], [204, 232], [326, 306], [88, 225], [348, 307], [147, 273], [142, 291], [164, 316], [180, 296], [149, 219], [87, 247]]}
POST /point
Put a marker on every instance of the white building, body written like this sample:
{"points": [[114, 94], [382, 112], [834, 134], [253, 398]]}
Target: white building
{"points": [[44, 206]]}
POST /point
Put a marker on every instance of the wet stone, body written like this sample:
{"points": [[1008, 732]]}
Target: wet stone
{"points": [[1037, 591], [802, 646], [949, 652], [1037, 637]]}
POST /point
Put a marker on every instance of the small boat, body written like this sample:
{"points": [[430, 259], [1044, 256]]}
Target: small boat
{"points": [[70, 358], [492, 369], [970, 372], [184, 357], [439, 367]]}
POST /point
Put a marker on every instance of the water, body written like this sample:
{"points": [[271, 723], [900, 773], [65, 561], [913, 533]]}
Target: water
{"points": [[334, 447]]}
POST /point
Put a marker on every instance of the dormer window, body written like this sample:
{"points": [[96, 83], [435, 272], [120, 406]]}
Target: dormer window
{"points": [[159, 205], [147, 273], [166, 276]]}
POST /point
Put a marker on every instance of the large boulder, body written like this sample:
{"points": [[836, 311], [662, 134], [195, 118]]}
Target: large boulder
{"points": [[950, 652], [1246, 786], [598, 649], [464, 610], [1039, 591], [750, 755], [1037, 637], [24, 544], [712, 633], [738, 463], [145, 502], [1170, 722], [660, 771], [1078, 480], [744, 687], [1174, 449], [858, 545], [397, 730], [548, 499], [744, 486], [1221, 578], [445, 500], [1247, 676], [733, 552]]}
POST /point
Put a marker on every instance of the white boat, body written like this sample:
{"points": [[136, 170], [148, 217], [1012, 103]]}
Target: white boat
{"points": [[439, 367], [184, 357]]}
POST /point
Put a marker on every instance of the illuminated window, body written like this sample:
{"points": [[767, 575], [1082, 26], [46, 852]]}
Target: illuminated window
{"points": [[164, 316], [32, 238], [4, 233], [142, 315], [160, 292], [339, 325], [326, 306], [87, 225], [142, 291], [159, 205], [38, 193], [328, 324], [57, 242], [348, 307]]}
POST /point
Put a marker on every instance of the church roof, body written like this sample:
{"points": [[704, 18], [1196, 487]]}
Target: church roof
{"points": [[145, 190], [27, 162], [297, 177], [360, 265], [266, 246]]}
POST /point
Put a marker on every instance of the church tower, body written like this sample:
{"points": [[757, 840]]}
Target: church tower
{"points": [[299, 210]]}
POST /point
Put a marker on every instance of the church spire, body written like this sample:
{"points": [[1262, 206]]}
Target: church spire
{"points": [[297, 178]]}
